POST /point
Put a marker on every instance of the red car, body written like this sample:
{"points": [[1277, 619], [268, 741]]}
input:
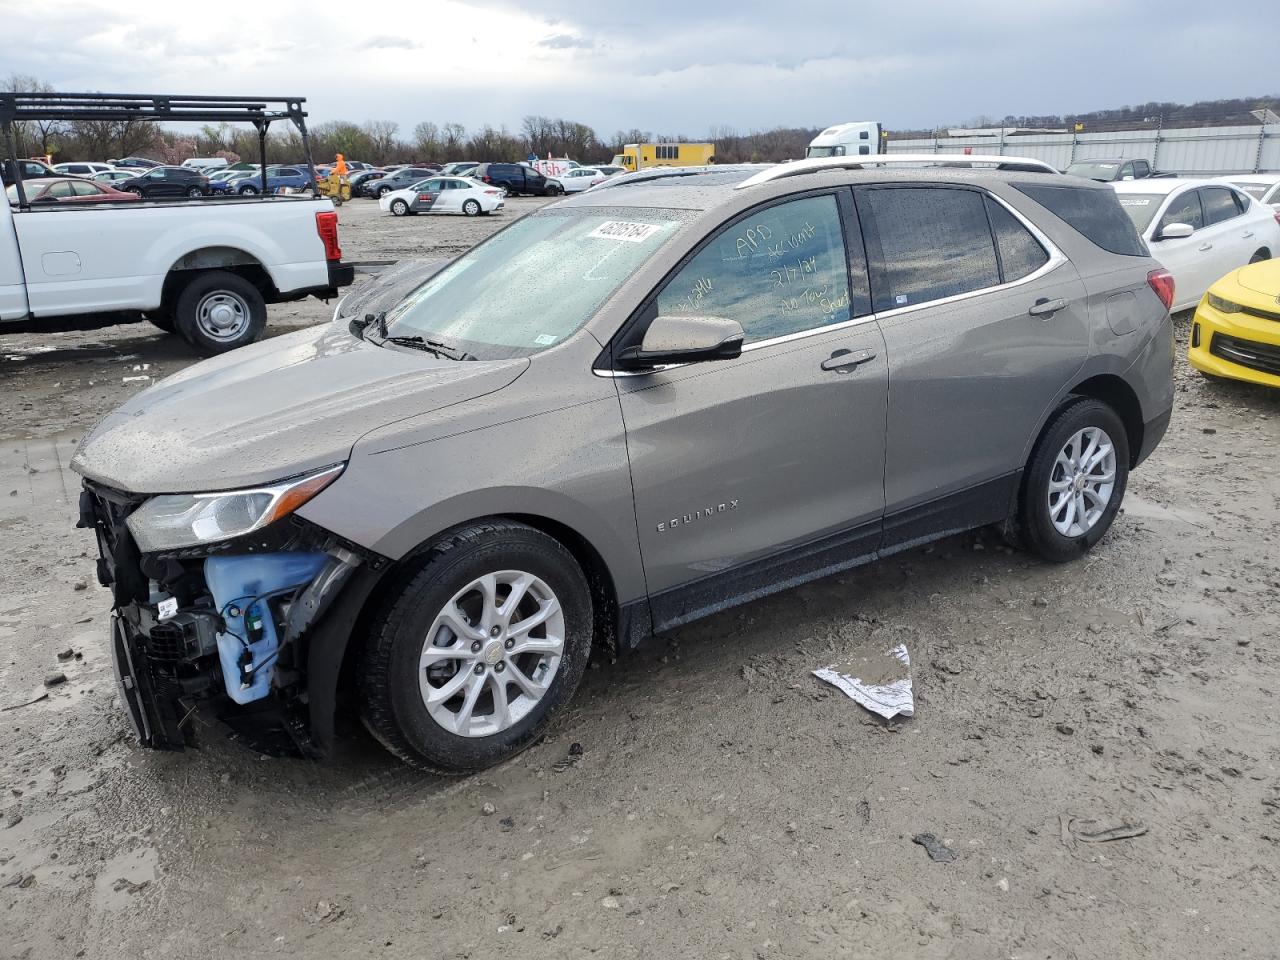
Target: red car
{"points": [[70, 189]]}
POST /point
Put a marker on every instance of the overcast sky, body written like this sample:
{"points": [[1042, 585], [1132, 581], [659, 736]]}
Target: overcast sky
{"points": [[666, 66]]}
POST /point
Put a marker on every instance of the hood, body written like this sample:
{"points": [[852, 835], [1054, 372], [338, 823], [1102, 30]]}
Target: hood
{"points": [[388, 288], [273, 410], [1263, 278]]}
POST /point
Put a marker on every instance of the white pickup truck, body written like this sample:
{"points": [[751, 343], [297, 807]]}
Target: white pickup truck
{"points": [[205, 268]]}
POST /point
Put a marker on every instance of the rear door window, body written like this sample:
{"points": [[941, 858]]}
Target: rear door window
{"points": [[934, 242], [1219, 204], [777, 271]]}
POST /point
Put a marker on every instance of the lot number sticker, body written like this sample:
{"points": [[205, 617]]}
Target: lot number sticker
{"points": [[622, 230]]}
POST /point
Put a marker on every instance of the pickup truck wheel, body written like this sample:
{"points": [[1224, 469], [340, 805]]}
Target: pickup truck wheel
{"points": [[471, 208], [1074, 482], [476, 648], [399, 208], [219, 311]]}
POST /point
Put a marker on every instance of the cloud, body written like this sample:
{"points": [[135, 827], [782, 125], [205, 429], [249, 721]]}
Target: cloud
{"points": [[385, 42], [565, 41]]}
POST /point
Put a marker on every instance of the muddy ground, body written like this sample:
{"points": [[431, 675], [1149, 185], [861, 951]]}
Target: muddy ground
{"points": [[725, 802]]}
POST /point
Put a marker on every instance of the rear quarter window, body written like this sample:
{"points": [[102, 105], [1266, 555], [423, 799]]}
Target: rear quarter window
{"points": [[1096, 214]]}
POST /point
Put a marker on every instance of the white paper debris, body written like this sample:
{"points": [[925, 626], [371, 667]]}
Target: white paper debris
{"points": [[887, 697]]}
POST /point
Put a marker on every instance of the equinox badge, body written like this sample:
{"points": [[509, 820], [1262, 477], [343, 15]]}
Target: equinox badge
{"points": [[688, 518]]}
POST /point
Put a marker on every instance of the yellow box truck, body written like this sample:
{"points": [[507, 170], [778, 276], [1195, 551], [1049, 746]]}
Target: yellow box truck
{"points": [[639, 156]]}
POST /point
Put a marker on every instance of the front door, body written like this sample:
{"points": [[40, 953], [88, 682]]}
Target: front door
{"points": [[985, 326], [774, 461], [1189, 259]]}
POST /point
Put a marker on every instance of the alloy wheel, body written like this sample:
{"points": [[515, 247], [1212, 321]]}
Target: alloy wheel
{"points": [[1081, 481], [492, 653]]}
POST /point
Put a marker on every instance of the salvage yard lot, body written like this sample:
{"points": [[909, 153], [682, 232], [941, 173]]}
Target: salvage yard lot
{"points": [[706, 797]]}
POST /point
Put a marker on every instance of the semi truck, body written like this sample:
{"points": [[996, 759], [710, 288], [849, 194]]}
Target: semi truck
{"points": [[857, 138]]}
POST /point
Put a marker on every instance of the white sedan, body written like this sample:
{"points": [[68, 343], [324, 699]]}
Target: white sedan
{"points": [[577, 179], [443, 195], [1199, 230]]}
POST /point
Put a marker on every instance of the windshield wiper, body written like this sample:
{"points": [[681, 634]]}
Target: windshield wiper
{"points": [[442, 350]]}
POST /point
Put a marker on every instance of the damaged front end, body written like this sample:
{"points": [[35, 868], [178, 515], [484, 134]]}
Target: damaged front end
{"points": [[225, 628]]}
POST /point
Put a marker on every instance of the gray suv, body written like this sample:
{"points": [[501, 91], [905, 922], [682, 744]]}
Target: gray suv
{"points": [[623, 412]]}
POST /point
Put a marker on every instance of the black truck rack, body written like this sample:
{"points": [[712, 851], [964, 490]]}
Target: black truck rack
{"points": [[261, 112]]}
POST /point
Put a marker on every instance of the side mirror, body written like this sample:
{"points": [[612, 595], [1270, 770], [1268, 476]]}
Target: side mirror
{"points": [[684, 340], [1176, 231]]}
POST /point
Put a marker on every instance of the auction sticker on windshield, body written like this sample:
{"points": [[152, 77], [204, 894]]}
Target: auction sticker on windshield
{"points": [[622, 230], [1136, 201]]}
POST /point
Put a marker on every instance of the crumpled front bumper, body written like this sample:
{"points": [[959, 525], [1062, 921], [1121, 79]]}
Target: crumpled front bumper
{"points": [[166, 667]]}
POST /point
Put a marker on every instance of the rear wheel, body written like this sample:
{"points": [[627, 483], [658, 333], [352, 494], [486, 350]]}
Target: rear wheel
{"points": [[399, 208], [1259, 256], [554, 190], [1074, 482], [219, 311], [471, 208], [194, 192], [478, 648], [383, 191]]}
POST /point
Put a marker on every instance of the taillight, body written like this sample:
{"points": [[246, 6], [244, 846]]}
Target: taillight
{"points": [[487, 180], [327, 227], [1161, 282]]}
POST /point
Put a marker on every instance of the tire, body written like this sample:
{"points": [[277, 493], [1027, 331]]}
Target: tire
{"points": [[247, 190], [553, 190], [393, 686], [383, 191], [195, 192], [1259, 256], [399, 208], [471, 208], [219, 311], [137, 192], [1075, 424]]}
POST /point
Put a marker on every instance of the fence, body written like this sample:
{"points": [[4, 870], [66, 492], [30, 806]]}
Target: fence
{"points": [[1196, 151]]}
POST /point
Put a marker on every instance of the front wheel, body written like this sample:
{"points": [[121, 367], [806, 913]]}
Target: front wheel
{"points": [[1259, 256], [1074, 482], [383, 192], [476, 648], [194, 192], [471, 208], [399, 208], [247, 190], [219, 311]]}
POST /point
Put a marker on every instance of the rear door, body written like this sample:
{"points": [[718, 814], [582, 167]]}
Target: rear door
{"points": [[751, 470], [1234, 237], [985, 322]]}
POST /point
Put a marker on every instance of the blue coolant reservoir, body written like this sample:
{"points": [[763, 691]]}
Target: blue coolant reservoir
{"points": [[240, 586]]}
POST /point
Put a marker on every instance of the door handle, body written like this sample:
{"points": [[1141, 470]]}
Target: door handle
{"points": [[1248, 234], [1205, 246], [1046, 308], [842, 361]]}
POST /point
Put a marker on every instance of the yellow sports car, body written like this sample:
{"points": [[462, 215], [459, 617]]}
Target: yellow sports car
{"points": [[1236, 330]]}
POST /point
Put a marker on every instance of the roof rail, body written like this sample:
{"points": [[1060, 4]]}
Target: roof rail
{"points": [[147, 106], [817, 164], [649, 174]]}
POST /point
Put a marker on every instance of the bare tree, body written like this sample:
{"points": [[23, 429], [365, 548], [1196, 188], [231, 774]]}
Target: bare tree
{"points": [[39, 136], [426, 139]]}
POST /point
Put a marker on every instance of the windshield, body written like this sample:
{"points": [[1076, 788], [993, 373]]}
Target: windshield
{"points": [[1094, 171], [535, 283], [1141, 207], [824, 152]]}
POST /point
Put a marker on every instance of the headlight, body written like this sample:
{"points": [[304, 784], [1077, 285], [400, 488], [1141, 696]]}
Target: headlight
{"points": [[1223, 306], [172, 521]]}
